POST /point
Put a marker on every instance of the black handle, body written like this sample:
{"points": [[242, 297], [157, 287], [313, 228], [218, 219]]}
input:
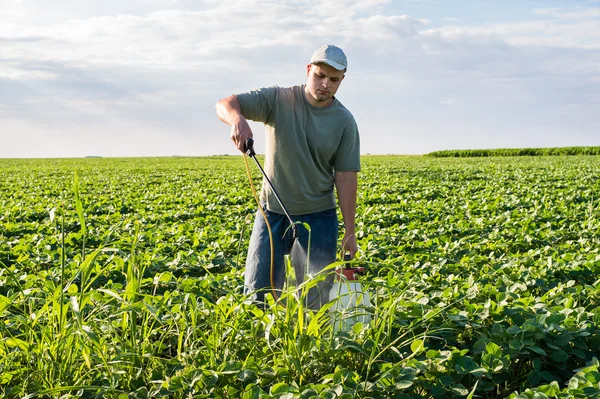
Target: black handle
{"points": [[249, 147], [347, 258]]}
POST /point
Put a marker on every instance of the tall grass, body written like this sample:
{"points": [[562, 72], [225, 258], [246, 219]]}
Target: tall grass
{"points": [[122, 339]]}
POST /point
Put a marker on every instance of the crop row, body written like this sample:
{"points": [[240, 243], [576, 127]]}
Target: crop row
{"points": [[514, 152]]}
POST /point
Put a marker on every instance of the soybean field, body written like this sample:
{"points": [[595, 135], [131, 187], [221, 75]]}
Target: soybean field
{"points": [[123, 278]]}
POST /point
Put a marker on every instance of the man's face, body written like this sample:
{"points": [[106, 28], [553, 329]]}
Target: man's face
{"points": [[323, 82]]}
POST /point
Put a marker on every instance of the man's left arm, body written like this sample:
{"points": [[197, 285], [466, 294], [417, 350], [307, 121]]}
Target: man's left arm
{"points": [[346, 184]]}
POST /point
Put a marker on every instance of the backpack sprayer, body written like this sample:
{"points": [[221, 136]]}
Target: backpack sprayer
{"points": [[351, 299]]}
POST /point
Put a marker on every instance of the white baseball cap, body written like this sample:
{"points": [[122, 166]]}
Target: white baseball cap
{"points": [[330, 55]]}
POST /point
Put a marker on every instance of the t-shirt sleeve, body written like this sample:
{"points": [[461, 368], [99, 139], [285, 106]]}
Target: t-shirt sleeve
{"points": [[258, 105], [347, 158]]}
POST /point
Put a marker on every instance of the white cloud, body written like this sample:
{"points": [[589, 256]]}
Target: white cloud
{"points": [[174, 39], [583, 34], [156, 69]]}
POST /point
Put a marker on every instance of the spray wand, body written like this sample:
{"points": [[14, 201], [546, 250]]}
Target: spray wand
{"points": [[249, 150]]}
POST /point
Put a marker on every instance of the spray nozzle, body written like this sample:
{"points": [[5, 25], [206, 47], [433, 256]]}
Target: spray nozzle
{"points": [[249, 147]]}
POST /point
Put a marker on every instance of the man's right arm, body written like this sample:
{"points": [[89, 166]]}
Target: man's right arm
{"points": [[229, 111]]}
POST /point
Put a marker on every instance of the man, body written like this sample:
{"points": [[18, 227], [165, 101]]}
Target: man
{"points": [[312, 144]]}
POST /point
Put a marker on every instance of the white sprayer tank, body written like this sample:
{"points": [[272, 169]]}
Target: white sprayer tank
{"points": [[352, 301]]}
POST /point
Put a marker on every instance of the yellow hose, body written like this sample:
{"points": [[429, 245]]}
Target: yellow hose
{"points": [[273, 291]]}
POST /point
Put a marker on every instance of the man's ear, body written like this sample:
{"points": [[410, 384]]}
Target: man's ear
{"points": [[308, 67]]}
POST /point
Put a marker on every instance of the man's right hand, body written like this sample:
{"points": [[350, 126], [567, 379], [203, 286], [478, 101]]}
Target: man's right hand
{"points": [[229, 111], [240, 132]]}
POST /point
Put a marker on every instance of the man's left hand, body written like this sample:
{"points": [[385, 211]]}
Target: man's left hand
{"points": [[349, 245]]}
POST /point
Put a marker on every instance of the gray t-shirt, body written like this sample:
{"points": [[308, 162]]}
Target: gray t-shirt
{"points": [[305, 145]]}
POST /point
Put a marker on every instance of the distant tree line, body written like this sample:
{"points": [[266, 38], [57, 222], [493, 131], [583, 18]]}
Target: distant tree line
{"points": [[513, 152]]}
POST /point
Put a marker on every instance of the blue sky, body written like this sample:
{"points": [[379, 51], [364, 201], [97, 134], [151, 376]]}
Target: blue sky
{"points": [[140, 78]]}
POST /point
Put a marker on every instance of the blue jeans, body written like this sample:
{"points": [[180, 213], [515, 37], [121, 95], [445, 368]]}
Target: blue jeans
{"points": [[323, 247]]}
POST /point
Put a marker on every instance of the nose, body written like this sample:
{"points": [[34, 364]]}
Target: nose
{"points": [[326, 83]]}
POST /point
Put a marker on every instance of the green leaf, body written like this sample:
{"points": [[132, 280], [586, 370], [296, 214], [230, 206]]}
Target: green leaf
{"points": [[513, 330], [559, 356], [247, 376], [516, 344], [403, 384], [591, 392], [465, 364], [252, 392], [550, 390], [537, 350], [548, 376], [479, 372], [534, 378], [280, 388], [417, 346], [493, 349], [309, 393], [459, 390], [480, 345], [593, 377], [209, 378], [446, 380]]}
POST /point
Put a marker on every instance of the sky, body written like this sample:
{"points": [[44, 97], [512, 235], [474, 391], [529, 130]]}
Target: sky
{"points": [[141, 78]]}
